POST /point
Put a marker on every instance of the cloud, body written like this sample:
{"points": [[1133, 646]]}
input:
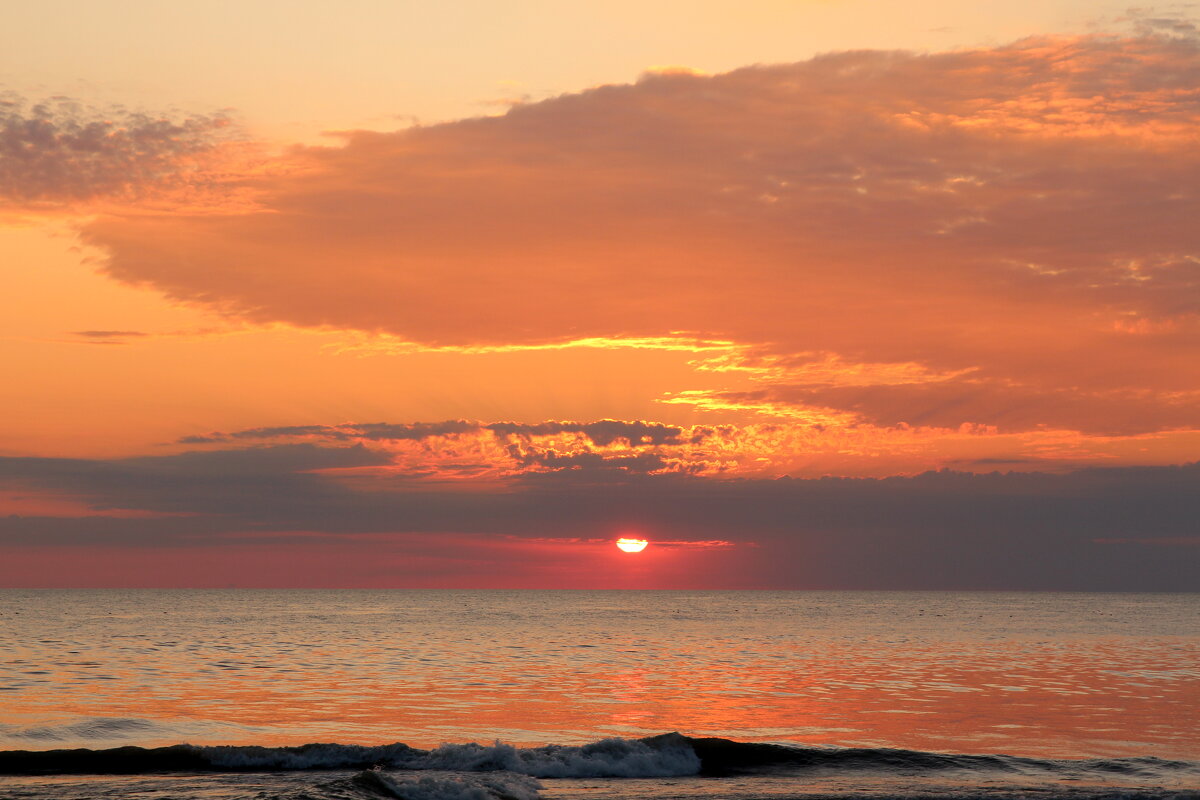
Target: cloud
{"points": [[550, 460], [868, 439], [108, 334], [1088, 529], [108, 337], [951, 404], [230, 483], [459, 448], [1148, 21], [1023, 213], [60, 151], [601, 433]]}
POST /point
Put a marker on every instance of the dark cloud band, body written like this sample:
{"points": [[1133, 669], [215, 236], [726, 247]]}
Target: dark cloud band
{"points": [[1117, 528]]}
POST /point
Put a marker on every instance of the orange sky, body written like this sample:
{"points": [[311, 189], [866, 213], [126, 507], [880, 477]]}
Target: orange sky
{"points": [[839, 261]]}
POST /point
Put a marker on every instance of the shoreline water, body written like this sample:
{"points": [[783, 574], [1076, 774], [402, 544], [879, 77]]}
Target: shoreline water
{"points": [[949, 679], [664, 766]]}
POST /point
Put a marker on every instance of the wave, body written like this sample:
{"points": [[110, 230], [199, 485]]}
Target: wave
{"points": [[724, 756], [666, 755], [93, 728], [498, 786], [112, 730]]}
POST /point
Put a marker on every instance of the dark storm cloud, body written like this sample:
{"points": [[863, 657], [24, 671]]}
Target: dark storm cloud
{"points": [[62, 151], [1089, 529]]}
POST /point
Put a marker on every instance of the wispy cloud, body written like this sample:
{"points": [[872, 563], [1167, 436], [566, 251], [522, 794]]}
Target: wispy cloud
{"points": [[108, 337], [61, 151]]}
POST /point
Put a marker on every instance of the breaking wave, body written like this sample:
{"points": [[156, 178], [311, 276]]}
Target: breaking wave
{"points": [[495, 786], [504, 771]]}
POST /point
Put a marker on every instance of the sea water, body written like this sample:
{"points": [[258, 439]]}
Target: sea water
{"points": [[474, 695]]}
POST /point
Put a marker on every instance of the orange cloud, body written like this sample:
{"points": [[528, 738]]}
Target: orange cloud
{"points": [[993, 221], [474, 455], [952, 404]]}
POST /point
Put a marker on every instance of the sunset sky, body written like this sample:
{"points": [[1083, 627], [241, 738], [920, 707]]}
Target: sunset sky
{"points": [[808, 293]]}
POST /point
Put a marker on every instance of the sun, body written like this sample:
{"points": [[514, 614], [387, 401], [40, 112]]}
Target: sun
{"points": [[632, 545]]}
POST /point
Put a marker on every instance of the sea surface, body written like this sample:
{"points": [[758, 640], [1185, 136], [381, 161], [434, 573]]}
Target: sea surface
{"points": [[483, 695]]}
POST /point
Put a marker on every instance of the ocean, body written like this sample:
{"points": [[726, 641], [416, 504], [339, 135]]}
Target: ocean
{"points": [[518, 695]]}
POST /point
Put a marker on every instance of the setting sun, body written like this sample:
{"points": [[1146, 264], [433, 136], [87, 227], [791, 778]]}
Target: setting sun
{"points": [[338, 336]]}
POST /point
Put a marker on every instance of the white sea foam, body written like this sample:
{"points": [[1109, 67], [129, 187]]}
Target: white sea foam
{"points": [[608, 758], [483, 786]]}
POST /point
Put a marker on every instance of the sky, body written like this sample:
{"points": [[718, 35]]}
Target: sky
{"points": [[828, 294]]}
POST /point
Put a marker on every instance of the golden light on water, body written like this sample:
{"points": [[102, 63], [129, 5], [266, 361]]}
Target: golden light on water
{"points": [[632, 545]]}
